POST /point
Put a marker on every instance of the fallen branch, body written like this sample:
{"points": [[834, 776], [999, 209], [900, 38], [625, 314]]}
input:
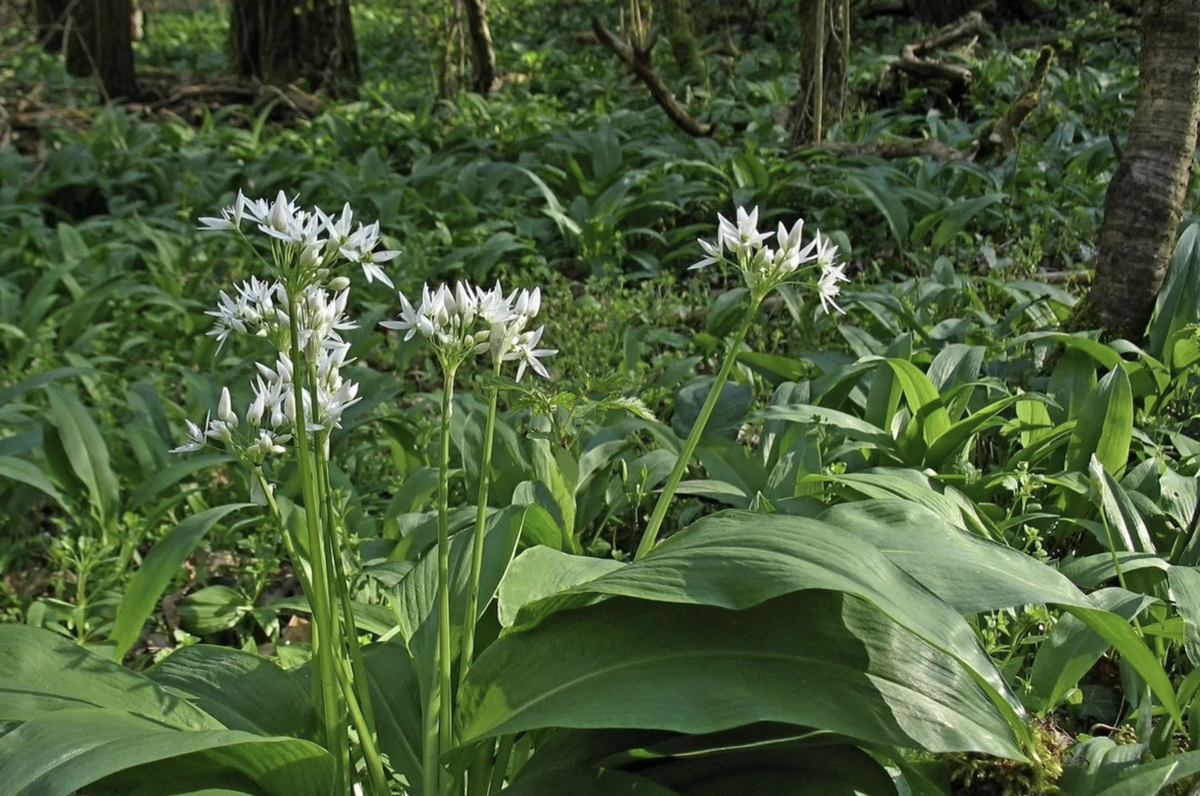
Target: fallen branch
{"points": [[998, 138], [638, 61], [914, 58], [894, 150]]}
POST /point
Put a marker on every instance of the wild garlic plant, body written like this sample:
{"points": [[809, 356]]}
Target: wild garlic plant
{"points": [[764, 268], [460, 323], [299, 308]]}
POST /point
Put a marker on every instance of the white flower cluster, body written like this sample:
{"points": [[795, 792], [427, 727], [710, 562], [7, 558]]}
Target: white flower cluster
{"points": [[763, 267], [263, 308], [315, 240], [469, 320]]}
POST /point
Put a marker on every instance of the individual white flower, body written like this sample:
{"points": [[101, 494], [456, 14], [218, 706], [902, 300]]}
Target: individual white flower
{"points": [[712, 254], [826, 252], [360, 248], [828, 287], [231, 217], [494, 307], [527, 354], [196, 438], [528, 303], [225, 411], [744, 236]]}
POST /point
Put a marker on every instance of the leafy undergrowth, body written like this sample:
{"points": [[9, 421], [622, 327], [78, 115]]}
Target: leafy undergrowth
{"points": [[946, 385]]}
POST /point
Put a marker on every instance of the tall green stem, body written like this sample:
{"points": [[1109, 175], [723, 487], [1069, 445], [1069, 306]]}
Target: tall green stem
{"points": [[335, 734], [693, 439], [446, 706], [468, 638], [354, 684]]}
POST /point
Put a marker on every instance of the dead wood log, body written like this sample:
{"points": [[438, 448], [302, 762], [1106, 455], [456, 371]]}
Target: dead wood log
{"points": [[638, 61], [914, 57], [997, 139]]}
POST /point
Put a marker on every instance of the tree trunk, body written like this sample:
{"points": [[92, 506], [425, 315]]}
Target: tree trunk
{"points": [[1145, 199], [285, 41], [95, 37], [483, 55], [684, 47], [824, 60]]}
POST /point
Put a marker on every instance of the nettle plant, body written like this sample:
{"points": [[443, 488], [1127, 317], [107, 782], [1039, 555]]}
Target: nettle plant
{"points": [[763, 652]]}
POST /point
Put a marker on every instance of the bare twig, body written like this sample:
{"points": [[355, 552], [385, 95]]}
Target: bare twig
{"points": [[638, 62]]}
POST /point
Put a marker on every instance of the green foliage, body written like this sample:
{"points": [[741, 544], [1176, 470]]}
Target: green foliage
{"points": [[948, 512]]}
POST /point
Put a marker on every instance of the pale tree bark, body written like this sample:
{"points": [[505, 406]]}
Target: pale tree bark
{"points": [[284, 41], [96, 39], [1146, 196], [483, 54], [824, 61]]}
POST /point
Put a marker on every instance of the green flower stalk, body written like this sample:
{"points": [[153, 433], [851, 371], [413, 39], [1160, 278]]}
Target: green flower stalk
{"points": [[298, 400], [460, 323], [763, 269]]}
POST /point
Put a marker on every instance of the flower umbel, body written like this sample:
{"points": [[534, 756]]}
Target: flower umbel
{"points": [[764, 268]]}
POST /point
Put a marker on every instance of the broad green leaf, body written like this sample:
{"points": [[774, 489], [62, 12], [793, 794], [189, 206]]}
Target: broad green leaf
{"points": [[1035, 420], [1101, 353], [414, 599], [243, 691], [774, 367], [891, 482], [788, 769], [929, 415], [1071, 383], [730, 410], [966, 573], [10, 394], [969, 573], [689, 668], [1185, 591], [1149, 779], [28, 473], [957, 434], [540, 572], [886, 201], [396, 700], [737, 559], [62, 752], [155, 484], [1179, 300], [960, 213], [44, 672], [368, 617], [1124, 520], [86, 451], [159, 567], [1105, 425], [212, 609], [1089, 572], [1093, 764], [585, 782], [1072, 647], [848, 424]]}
